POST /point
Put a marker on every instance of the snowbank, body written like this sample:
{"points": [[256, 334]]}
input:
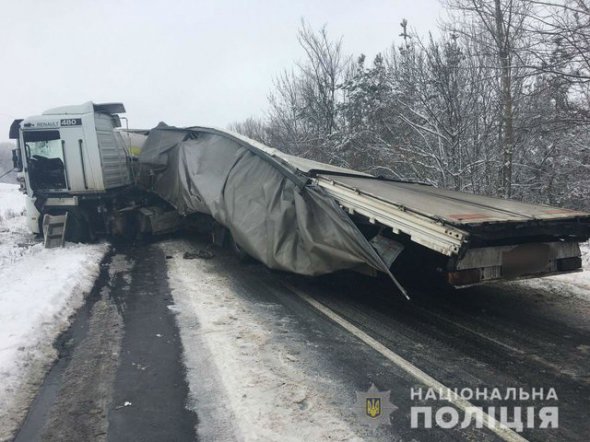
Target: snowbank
{"points": [[12, 225], [40, 289], [12, 202]]}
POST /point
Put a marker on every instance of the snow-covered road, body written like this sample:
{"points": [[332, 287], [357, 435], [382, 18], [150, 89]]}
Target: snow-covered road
{"points": [[259, 361], [213, 349], [40, 290]]}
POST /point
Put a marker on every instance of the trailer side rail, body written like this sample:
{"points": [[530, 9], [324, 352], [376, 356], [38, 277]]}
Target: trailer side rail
{"points": [[430, 233]]}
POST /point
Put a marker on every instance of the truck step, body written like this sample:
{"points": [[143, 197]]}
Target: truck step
{"points": [[54, 230]]}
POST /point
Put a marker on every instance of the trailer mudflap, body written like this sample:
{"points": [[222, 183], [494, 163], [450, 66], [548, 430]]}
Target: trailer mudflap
{"points": [[514, 262]]}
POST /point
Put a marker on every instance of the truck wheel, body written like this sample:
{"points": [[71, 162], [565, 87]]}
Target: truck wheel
{"points": [[77, 228]]}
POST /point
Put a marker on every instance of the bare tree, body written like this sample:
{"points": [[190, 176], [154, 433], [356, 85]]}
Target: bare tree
{"points": [[446, 112], [252, 128], [563, 38], [497, 105], [501, 24], [323, 69], [303, 114], [561, 33]]}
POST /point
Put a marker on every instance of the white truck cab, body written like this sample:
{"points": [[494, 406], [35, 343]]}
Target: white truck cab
{"points": [[71, 154], [74, 150]]}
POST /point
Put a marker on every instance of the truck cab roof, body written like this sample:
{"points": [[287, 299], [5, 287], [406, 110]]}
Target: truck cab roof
{"points": [[88, 107], [79, 109]]}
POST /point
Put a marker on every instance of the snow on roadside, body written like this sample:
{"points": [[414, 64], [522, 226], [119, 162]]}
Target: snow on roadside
{"points": [[13, 229], [269, 396], [11, 201], [576, 285], [40, 291]]}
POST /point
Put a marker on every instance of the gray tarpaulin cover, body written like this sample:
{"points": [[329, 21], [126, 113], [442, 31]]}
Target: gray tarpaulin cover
{"points": [[260, 194]]}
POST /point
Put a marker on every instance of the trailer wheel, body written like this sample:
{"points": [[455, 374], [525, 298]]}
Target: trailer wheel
{"points": [[417, 269], [243, 257]]}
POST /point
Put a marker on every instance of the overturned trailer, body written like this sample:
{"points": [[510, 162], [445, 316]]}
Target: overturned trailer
{"points": [[272, 210], [311, 218]]}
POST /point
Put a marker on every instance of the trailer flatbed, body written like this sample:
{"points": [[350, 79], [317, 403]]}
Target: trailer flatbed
{"points": [[479, 238], [485, 238]]}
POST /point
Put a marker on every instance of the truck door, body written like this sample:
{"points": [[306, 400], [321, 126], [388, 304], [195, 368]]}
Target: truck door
{"points": [[44, 150], [80, 161]]}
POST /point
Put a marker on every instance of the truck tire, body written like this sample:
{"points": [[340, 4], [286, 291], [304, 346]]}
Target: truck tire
{"points": [[417, 270], [77, 228]]}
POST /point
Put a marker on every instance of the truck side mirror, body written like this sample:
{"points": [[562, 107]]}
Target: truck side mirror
{"points": [[17, 161]]}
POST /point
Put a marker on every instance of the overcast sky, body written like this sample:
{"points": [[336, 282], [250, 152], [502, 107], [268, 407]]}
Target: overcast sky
{"points": [[181, 61]]}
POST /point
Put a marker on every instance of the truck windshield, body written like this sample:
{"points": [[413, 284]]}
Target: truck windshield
{"points": [[45, 159]]}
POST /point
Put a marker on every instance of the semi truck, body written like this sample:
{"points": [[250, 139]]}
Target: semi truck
{"points": [[288, 212], [78, 160]]}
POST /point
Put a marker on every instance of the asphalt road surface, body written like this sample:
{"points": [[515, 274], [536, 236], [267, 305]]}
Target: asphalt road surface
{"points": [[121, 377]]}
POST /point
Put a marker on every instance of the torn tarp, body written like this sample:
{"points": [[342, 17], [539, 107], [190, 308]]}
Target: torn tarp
{"points": [[267, 203]]}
